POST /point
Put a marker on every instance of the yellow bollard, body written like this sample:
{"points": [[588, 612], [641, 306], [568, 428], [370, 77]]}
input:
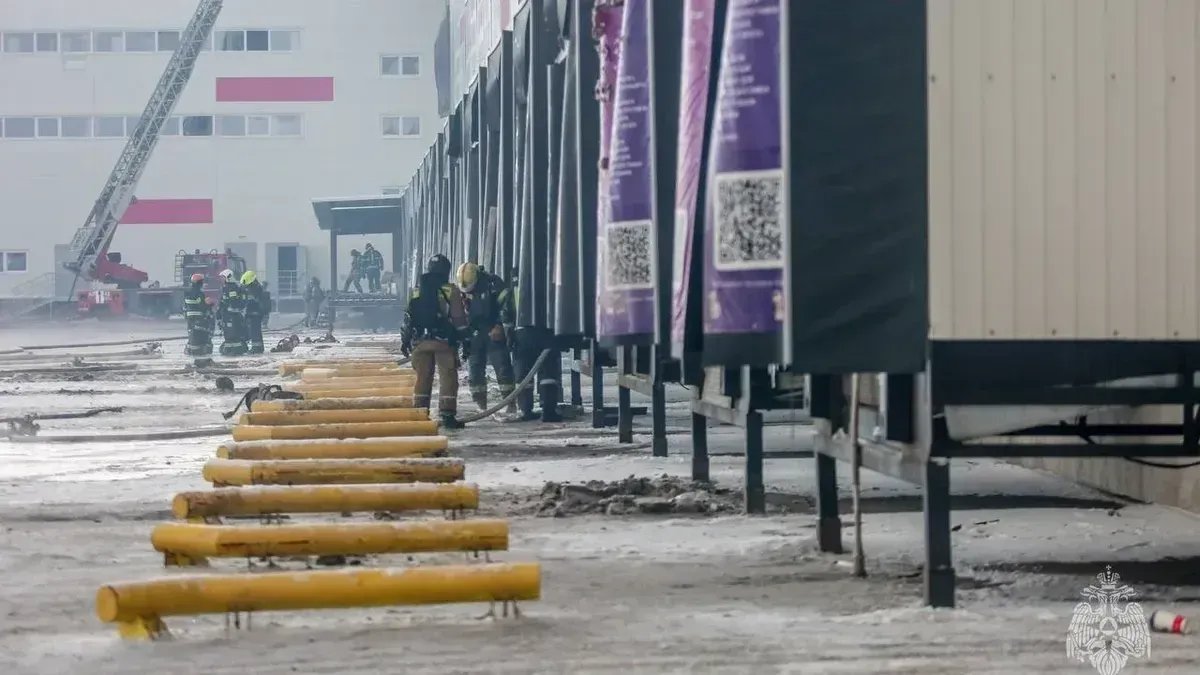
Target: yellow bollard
{"points": [[334, 416], [367, 403], [222, 472], [324, 448], [188, 545], [138, 607], [375, 392], [266, 501], [353, 430]]}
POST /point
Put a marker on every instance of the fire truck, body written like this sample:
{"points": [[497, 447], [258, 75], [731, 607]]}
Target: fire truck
{"points": [[131, 298]]}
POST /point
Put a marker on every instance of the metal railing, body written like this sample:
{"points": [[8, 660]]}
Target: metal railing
{"points": [[28, 297], [289, 284]]}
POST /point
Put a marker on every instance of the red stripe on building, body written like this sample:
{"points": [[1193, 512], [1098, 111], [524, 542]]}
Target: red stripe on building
{"points": [[169, 212], [274, 89]]}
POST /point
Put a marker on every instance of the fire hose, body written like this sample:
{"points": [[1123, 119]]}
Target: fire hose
{"points": [[521, 386]]}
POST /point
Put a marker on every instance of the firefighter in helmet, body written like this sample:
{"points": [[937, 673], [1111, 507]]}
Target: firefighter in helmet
{"points": [[257, 305], [486, 296], [232, 315], [434, 325], [197, 309]]}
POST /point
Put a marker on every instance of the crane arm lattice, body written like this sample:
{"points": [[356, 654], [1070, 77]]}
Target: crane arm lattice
{"points": [[92, 240]]}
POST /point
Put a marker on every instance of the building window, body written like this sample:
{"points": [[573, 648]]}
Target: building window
{"points": [[287, 125], [76, 43], [170, 127], [47, 127], [231, 40], [258, 41], [14, 261], [258, 125], [197, 125], [47, 42], [400, 66], [168, 40], [18, 43], [231, 125], [18, 127], [285, 40], [77, 127], [110, 127], [400, 126], [141, 41], [108, 41]]}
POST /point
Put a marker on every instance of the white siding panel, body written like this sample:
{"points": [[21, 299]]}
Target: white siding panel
{"points": [[1063, 169]]}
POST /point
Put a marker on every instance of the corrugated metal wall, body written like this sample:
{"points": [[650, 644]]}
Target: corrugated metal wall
{"points": [[1063, 169]]}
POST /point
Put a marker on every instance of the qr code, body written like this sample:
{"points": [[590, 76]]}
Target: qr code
{"points": [[629, 255], [749, 221]]}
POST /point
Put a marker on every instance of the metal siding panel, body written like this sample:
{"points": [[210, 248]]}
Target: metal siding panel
{"points": [[1182, 281], [1030, 85], [1091, 175], [941, 168], [1120, 226], [968, 167], [1151, 233], [999, 143], [1061, 213]]}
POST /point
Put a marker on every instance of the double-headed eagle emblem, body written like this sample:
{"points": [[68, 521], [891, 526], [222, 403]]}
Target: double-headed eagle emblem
{"points": [[1106, 629]]}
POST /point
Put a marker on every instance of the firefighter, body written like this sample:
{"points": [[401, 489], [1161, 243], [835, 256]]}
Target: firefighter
{"points": [[232, 315], [268, 305], [197, 309], [486, 295], [434, 323], [314, 296], [527, 344], [356, 272], [372, 264], [255, 299]]}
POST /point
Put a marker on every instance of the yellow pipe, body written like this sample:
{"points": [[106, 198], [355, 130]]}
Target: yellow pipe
{"points": [[323, 448], [139, 606], [293, 432], [324, 374], [375, 392], [186, 544], [334, 416], [222, 472], [265, 501], [296, 367], [355, 383], [370, 402]]}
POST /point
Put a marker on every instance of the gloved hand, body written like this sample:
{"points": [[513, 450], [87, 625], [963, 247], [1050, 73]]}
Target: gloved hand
{"points": [[497, 333]]}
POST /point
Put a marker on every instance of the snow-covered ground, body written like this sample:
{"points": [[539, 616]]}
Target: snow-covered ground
{"points": [[632, 594]]}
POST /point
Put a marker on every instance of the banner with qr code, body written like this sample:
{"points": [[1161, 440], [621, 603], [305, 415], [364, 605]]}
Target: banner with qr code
{"points": [[693, 111], [627, 237], [744, 227]]}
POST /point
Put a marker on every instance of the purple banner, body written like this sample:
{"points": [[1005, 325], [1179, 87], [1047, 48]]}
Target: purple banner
{"points": [[626, 238], [693, 108], [744, 228]]}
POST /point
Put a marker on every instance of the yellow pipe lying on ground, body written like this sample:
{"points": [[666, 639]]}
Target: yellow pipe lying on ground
{"points": [[296, 367], [257, 432], [326, 448], [323, 374], [138, 607], [186, 544], [374, 392], [265, 501], [334, 416], [366, 403], [355, 383], [222, 472]]}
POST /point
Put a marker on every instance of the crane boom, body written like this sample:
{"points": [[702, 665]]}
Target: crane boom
{"points": [[92, 240]]}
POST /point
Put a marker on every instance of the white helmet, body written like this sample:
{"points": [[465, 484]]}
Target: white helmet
{"points": [[226, 275]]}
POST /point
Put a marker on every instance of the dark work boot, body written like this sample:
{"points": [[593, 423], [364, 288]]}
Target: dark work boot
{"points": [[481, 400], [549, 397], [449, 421]]}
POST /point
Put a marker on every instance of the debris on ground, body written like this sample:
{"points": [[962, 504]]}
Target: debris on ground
{"points": [[287, 345], [637, 495]]}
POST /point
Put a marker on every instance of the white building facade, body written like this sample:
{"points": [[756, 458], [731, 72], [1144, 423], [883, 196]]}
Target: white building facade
{"points": [[295, 100]]}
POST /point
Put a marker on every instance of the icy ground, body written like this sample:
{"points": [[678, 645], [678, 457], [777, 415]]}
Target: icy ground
{"points": [[630, 593]]}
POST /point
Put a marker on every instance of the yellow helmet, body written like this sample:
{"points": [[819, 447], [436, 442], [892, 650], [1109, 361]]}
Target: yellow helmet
{"points": [[249, 277], [468, 275]]}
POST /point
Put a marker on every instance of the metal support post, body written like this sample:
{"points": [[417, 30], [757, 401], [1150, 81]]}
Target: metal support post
{"points": [[658, 407], [576, 379], [829, 524], [624, 401], [700, 468], [333, 276], [599, 420], [939, 568], [756, 494]]}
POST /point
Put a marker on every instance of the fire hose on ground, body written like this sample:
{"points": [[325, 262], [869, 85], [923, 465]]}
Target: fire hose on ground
{"points": [[521, 386]]}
